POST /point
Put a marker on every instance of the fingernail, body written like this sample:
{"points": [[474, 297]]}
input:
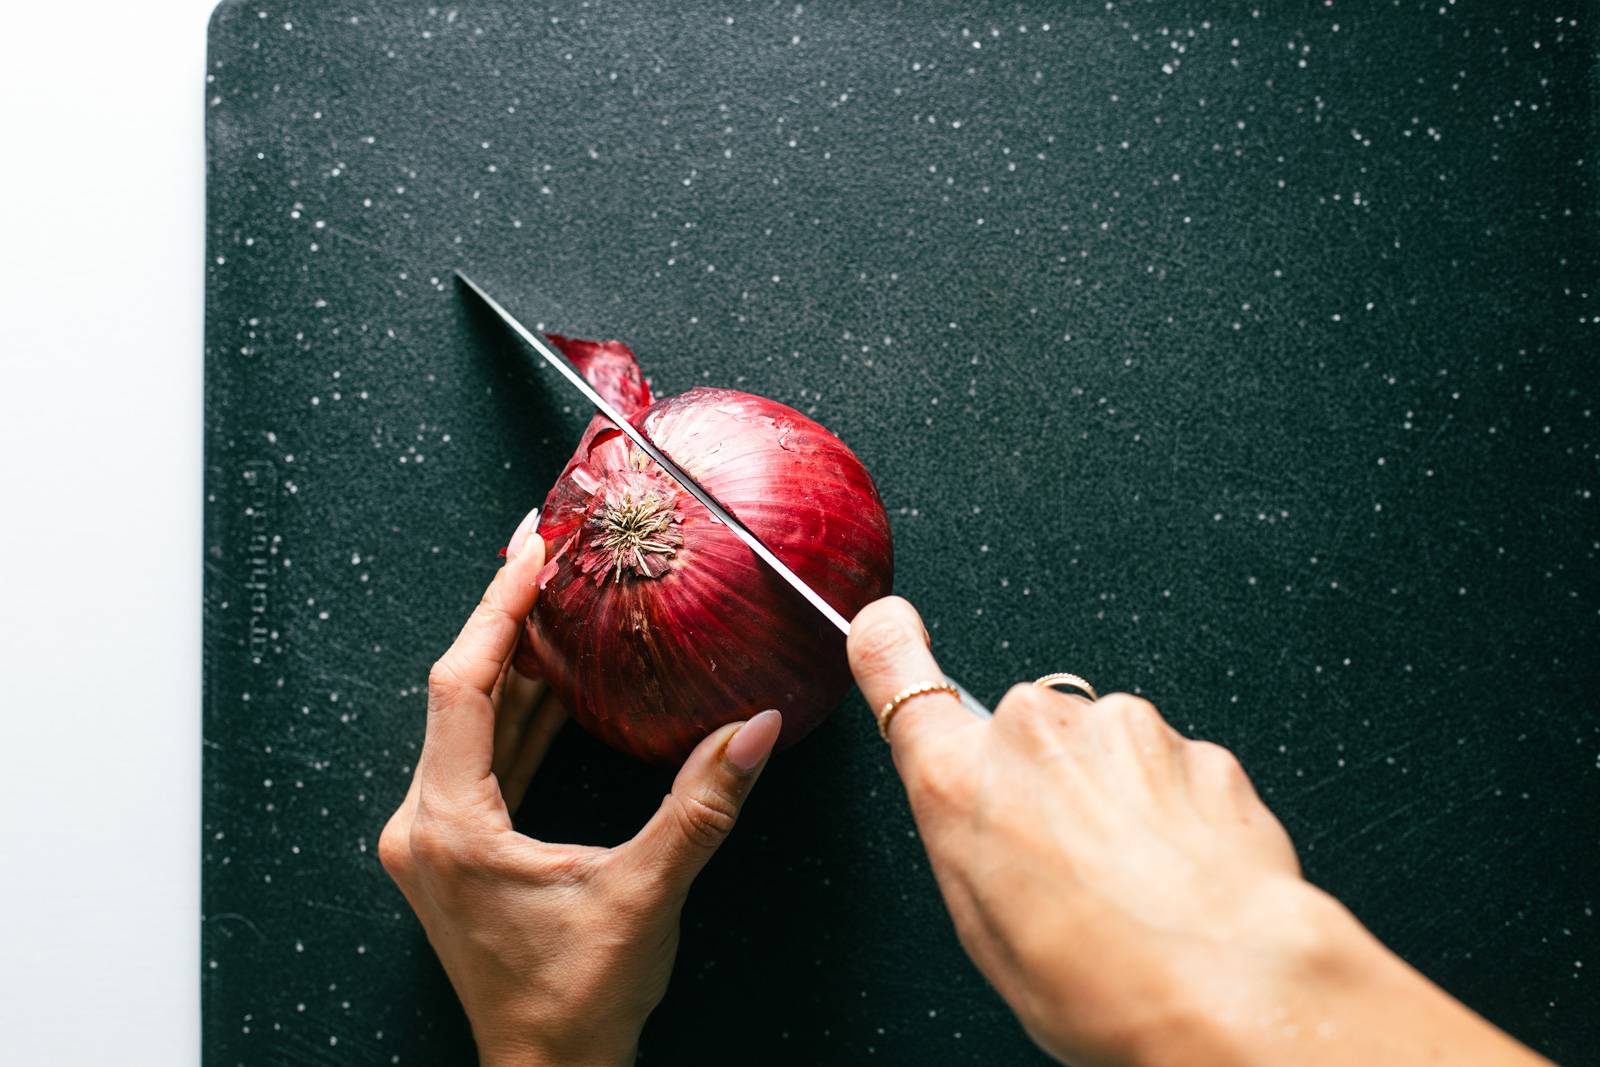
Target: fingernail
{"points": [[754, 740], [519, 540]]}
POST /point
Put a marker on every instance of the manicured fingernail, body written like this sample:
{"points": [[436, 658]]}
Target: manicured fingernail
{"points": [[754, 740], [519, 540]]}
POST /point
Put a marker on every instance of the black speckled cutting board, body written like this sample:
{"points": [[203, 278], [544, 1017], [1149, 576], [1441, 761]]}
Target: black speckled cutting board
{"points": [[1245, 360]]}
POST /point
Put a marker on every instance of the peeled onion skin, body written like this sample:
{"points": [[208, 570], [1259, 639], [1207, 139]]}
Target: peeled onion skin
{"points": [[651, 664]]}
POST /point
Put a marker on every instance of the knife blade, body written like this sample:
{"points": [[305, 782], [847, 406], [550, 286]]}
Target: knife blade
{"points": [[679, 475]]}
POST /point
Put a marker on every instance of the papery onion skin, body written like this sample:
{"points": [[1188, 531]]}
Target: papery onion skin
{"points": [[610, 367], [683, 629]]}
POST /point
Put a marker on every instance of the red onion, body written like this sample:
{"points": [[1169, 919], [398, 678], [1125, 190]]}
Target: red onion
{"points": [[656, 625]]}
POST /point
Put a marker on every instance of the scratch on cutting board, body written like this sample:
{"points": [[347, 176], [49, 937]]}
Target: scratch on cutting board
{"points": [[322, 905], [369, 246], [235, 917]]}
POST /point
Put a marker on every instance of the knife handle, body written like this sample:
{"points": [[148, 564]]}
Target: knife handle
{"points": [[968, 701]]}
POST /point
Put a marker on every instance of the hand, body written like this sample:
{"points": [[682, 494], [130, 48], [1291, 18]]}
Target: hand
{"points": [[558, 952], [1128, 894]]}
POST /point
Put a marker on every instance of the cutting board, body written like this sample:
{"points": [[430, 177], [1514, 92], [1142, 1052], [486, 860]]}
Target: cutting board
{"points": [[1223, 358]]}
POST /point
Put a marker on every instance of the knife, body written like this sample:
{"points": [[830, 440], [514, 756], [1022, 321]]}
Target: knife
{"points": [[718, 512]]}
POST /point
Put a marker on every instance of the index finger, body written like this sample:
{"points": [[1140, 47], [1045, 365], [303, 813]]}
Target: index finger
{"points": [[459, 747], [480, 651], [888, 649]]}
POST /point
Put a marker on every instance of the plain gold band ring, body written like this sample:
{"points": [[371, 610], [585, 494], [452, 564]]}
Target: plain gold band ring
{"points": [[910, 692], [1066, 678]]}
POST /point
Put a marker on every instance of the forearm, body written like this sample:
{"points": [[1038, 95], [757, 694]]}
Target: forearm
{"points": [[1338, 997]]}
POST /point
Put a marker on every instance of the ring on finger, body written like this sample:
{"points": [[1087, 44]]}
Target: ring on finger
{"points": [[910, 692], [1069, 680]]}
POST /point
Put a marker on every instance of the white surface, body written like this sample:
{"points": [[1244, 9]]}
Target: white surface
{"points": [[101, 112]]}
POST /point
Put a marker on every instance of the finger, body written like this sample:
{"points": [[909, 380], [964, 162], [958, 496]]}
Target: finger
{"points": [[523, 661], [697, 815], [500, 682], [543, 726], [514, 708], [888, 650], [1135, 740], [459, 748], [1045, 723], [480, 651]]}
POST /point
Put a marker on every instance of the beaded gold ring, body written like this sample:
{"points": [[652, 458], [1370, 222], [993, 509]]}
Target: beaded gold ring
{"points": [[910, 692]]}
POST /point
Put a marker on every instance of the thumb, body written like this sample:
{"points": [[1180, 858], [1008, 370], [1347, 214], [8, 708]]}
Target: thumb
{"points": [[706, 796], [889, 654]]}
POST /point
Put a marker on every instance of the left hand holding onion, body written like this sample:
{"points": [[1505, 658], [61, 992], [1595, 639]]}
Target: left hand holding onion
{"points": [[558, 952]]}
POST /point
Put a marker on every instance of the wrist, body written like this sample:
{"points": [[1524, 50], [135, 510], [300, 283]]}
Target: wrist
{"points": [[525, 1058], [1306, 983], [533, 1052], [1286, 977]]}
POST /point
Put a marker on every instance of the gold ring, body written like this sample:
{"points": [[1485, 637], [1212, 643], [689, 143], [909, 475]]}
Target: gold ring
{"points": [[908, 693], [1050, 681]]}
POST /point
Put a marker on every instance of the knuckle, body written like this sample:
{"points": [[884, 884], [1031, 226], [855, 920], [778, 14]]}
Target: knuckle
{"points": [[1023, 697], [921, 776], [705, 819], [1216, 759], [1029, 709], [1128, 704], [945, 788], [443, 679], [939, 776], [394, 848], [1137, 712]]}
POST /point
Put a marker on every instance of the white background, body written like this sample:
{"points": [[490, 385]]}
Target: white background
{"points": [[101, 249]]}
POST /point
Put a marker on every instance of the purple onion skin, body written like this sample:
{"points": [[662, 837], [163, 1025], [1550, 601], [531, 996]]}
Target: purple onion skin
{"points": [[690, 630]]}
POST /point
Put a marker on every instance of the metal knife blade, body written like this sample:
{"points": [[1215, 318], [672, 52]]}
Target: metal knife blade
{"points": [[662, 460]]}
